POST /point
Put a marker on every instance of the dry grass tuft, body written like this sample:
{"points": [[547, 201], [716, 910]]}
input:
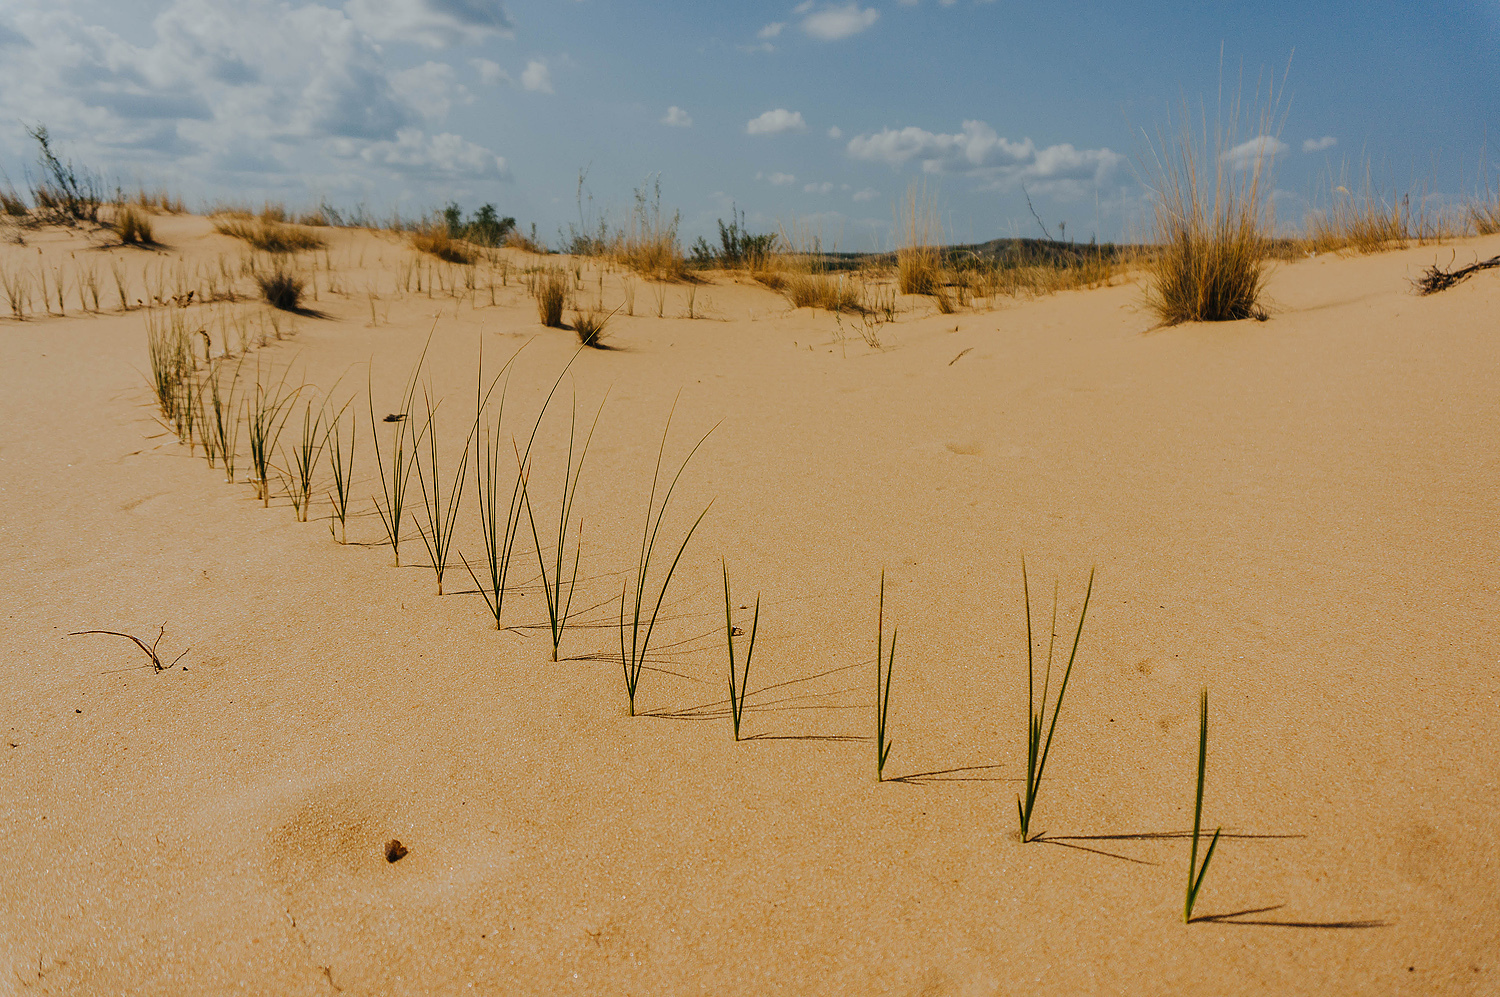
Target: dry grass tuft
{"points": [[919, 259], [1212, 230], [1485, 215], [590, 325], [269, 235], [281, 286], [550, 288], [1363, 223], [133, 226], [831, 292]]}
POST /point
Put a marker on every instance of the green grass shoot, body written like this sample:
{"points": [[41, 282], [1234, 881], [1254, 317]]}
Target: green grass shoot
{"points": [[739, 679], [442, 516], [1195, 871], [883, 667], [342, 466], [641, 621], [499, 541], [395, 474], [266, 412], [307, 451], [224, 422], [1038, 747], [559, 605]]}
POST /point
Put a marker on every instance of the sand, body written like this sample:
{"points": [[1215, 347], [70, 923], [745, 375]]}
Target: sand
{"points": [[1298, 514]]}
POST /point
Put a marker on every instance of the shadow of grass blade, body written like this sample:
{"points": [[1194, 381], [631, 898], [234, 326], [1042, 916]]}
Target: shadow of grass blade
{"points": [[883, 669]]}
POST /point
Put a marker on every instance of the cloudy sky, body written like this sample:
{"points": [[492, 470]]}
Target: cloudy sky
{"points": [[822, 113]]}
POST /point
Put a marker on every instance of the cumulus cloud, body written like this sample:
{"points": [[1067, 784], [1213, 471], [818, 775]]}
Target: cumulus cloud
{"points": [[444, 155], [835, 132], [866, 194], [677, 118], [835, 21], [775, 122], [1319, 144], [771, 30], [257, 86], [490, 72], [1260, 149], [777, 179], [978, 151], [818, 188], [434, 23], [537, 77]]}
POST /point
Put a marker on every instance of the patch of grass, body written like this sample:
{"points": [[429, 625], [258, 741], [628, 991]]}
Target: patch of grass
{"points": [[224, 424], [884, 666], [133, 226], [1363, 222], [16, 284], [442, 514], [1484, 214], [641, 620], [590, 325], [559, 605], [122, 282], [831, 292], [341, 464], [306, 453], [64, 194], [550, 287], [266, 412], [499, 542], [739, 679], [1211, 225], [395, 474], [436, 240], [1039, 747], [1195, 871], [919, 260], [269, 234], [281, 286]]}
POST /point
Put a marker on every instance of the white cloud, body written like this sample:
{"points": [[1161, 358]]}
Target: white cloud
{"points": [[490, 72], [777, 179], [1259, 150], [677, 118], [232, 93], [771, 30], [978, 151], [774, 122], [537, 77], [434, 23], [1319, 144], [438, 155], [867, 194], [835, 132], [818, 188], [834, 22]]}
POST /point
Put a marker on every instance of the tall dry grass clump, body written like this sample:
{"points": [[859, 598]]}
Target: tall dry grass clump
{"points": [[1484, 215], [1363, 222], [550, 288], [919, 233], [648, 242], [1212, 224], [133, 226]]}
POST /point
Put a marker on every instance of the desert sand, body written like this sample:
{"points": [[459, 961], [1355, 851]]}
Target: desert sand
{"points": [[1299, 514]]}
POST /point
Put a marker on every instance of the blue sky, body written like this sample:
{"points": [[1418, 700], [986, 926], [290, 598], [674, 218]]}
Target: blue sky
{"points": [[819, 114]]}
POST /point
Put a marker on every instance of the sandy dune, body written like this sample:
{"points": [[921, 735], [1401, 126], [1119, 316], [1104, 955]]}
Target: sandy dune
{"points": [[1300, 514]]}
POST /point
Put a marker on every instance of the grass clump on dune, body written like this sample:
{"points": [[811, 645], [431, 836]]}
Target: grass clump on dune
{"points": [[919, 260], [1211, 225], [133, 226], [436, 240], [268, 235], [550, 288], [281, 286]]}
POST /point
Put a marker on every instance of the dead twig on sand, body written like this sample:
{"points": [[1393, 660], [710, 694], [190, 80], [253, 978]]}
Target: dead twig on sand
{"points": [[1436, 279], [156, 663]]}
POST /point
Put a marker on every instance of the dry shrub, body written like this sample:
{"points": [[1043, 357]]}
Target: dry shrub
{"points": [[11, 203], [550, 287], [1212, 231], [920, 234], [834, 293], [133, 226], [517, 240], [269, 236], [436, 240], [590, 325], [281, 286]]}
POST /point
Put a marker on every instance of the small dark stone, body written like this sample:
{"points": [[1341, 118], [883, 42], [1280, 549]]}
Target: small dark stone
{"points": [[395, 851]]}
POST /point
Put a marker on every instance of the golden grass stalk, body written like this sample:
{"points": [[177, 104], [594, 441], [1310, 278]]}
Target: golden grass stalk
{"points": [[550, 287], [919, 234], [270, 235]]}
